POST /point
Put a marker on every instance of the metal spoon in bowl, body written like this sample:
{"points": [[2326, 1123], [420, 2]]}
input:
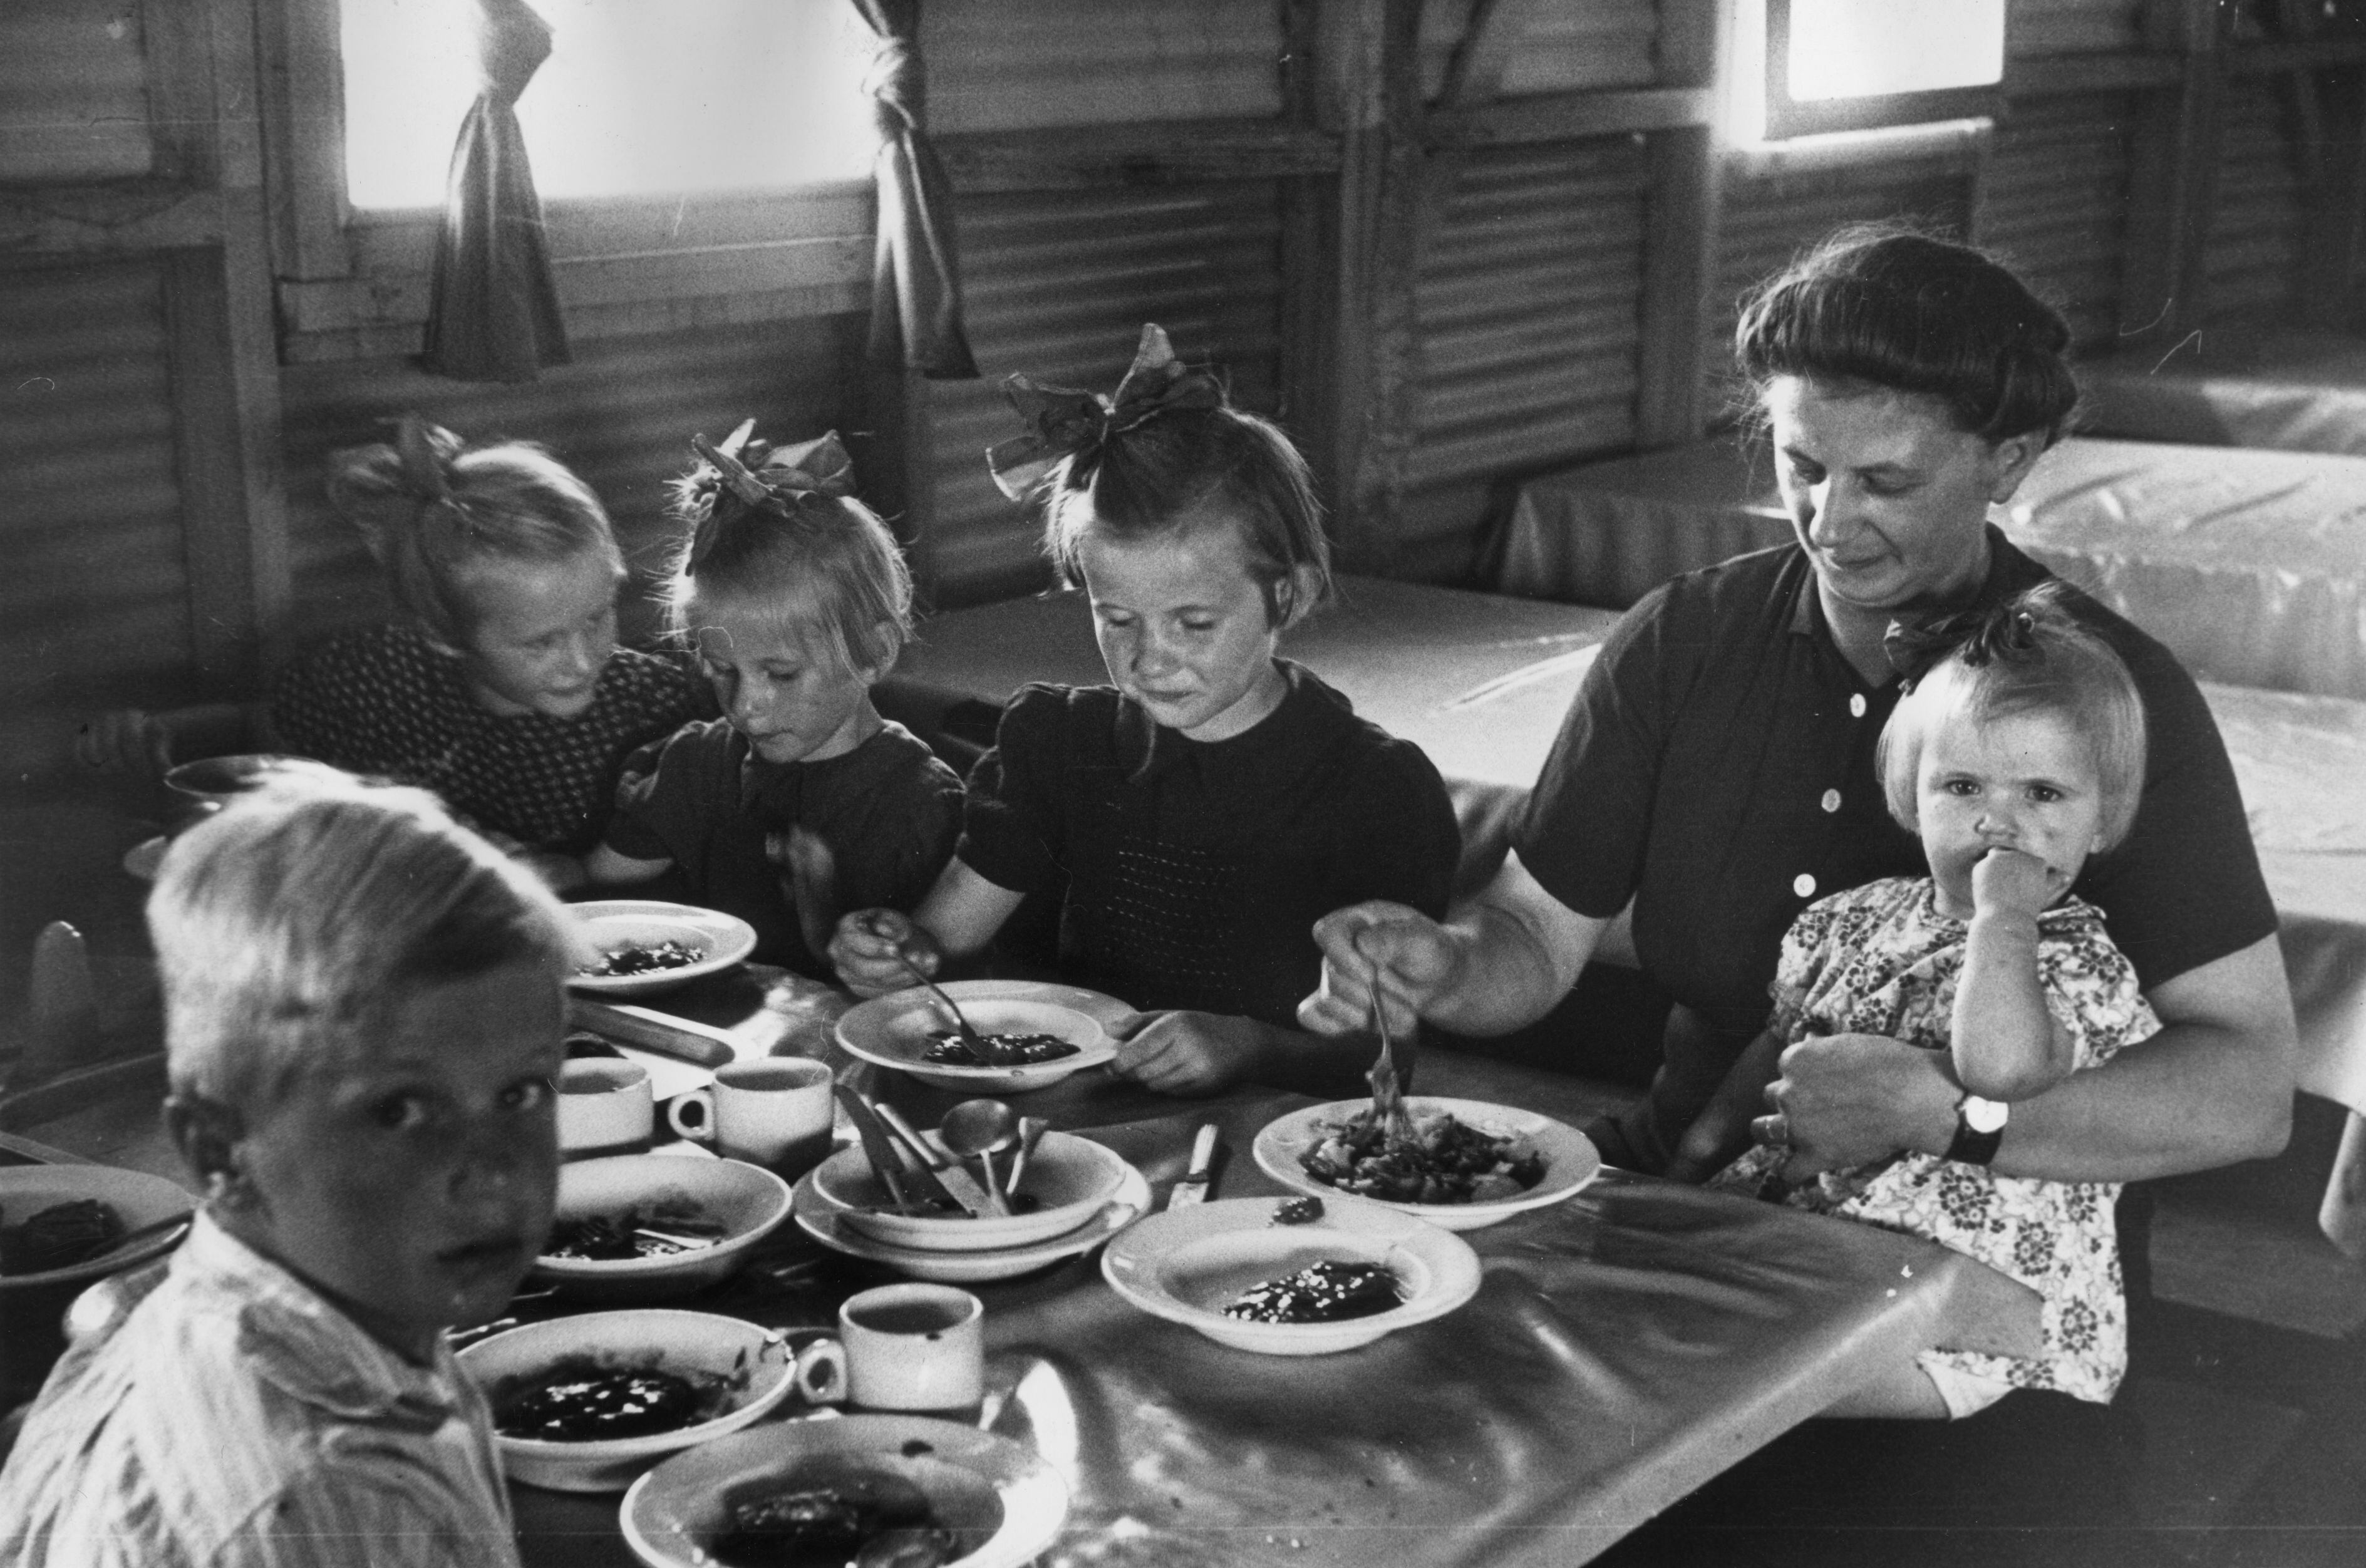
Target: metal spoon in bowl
{"points": [[977, 1043], [981, 1129]]}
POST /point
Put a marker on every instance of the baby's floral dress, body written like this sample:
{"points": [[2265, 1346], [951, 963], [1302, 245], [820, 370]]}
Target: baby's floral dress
{"points": [[1882, 959]]}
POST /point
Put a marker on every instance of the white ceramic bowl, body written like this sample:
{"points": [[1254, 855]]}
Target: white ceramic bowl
{"points": [[1570, 1158], [753, 1366], [1185, 1264], [1074, 1178], [611, 923], [1005, 1500], [137, 1198], [826, 1222], [217, 780], [747, 1200], [896, 1029]]}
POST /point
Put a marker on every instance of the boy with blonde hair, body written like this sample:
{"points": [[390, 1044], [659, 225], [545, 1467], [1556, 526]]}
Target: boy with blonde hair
{"points": [[364, 1016]]}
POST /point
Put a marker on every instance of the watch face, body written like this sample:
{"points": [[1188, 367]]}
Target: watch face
{"points": [[1984, 1115]]}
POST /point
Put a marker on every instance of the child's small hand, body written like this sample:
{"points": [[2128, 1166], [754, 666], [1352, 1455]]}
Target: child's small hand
{"points": [[1186, 1053], [866, 952], [2009, 881]]}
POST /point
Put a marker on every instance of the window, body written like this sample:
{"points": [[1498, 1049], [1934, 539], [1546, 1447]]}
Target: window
{"points": [[638, 98], [1805, 67]]}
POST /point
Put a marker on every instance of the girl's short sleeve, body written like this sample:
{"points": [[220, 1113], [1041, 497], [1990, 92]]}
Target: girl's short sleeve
{"points": [[2090, 989], [1011, 814]]}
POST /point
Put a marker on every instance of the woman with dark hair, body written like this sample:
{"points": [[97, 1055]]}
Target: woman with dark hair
{"points": [[1715, 771]]}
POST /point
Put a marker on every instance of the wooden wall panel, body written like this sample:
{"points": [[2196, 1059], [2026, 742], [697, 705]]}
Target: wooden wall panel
{"points": [[1528, 310], [2072, 27], [74, 92], [1013, 64], [94, 604], [2054, 203], [2252, 256], [1568, 46]]}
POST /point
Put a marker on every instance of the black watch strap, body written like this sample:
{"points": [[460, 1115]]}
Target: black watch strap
{"points": [[1971, 1145]]}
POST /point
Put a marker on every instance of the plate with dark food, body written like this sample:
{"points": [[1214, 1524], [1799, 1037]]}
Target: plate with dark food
{"points": [[902, 1490], [1462, 1163], [61, 1224], [585, 1403], [644, 1227], [1035, 1035], [1263, 1274], [637, 947]]}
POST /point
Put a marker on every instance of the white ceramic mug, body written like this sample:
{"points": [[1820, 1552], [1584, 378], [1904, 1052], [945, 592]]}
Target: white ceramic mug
{"points": [[605, 1108], [901, 1348], [774, 1111]]}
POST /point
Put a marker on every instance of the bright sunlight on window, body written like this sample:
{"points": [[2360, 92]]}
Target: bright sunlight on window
{"points": [[1859, 49], [639, 97]]}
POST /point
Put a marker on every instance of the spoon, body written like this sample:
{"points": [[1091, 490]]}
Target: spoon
{"points": [[980, 1128], [1031, 1133], [976, 1042]]}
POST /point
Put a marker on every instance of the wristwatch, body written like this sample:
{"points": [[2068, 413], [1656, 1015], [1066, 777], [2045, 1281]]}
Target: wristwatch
{"points": [[1980, 1129]]}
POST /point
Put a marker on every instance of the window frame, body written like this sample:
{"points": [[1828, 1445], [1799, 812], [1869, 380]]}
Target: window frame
{"points": [[352, 283]]}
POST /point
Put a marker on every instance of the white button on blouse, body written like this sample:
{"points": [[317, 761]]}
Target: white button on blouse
{"points": [[1831, 801], [1856, 704], [1804, 886]]}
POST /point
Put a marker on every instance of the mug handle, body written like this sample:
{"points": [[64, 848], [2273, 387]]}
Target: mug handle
{"points": [[821, 1372], [702, 1131]]}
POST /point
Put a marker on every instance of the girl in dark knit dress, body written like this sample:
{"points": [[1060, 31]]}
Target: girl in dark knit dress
{"points": [[1197, 815]]}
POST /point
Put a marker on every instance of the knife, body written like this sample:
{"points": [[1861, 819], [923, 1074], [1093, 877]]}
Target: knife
{"points": [[875, 1147], [942, 1166], [1192, 1187]]}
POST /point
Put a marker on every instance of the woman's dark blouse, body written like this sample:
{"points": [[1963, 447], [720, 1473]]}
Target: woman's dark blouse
{"points": [[387, 702], [1718, 768], [1194, 871], [888, 810]]}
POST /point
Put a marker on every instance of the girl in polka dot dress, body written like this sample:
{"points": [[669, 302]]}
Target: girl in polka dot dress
{"points": [[499, 685], [802, 801], [1197, 816], [2018, 755]]}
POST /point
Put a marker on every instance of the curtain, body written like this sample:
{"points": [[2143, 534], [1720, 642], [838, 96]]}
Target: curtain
{"points": [[916, 314], [492, 313]]}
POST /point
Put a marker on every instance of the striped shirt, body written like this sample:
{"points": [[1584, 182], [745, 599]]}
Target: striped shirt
{"points": [[234, 1417]]}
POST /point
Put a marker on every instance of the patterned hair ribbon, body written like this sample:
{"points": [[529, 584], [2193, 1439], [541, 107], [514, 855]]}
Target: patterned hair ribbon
{"points": [[1066, 422], [820, 466], [2002, 634]]}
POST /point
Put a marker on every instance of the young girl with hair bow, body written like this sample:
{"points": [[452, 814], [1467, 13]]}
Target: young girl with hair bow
{"points": [[1197, 815], [801, 802], [499, 685]]}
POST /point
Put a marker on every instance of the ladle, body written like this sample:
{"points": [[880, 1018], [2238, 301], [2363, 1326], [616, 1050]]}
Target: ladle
{"points": [[981, 1129]]}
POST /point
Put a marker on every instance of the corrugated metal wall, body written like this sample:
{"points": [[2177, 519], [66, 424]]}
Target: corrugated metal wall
{"points": [[2073, 26], [2054, 203], [621, 416], [94, 604], [1527, 310], [1006, 64], [1769, 220], [1057, 285], [1569, 46], [2252, 255], [73, 101]]}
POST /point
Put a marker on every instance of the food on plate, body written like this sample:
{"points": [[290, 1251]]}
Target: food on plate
{"points": [[58, 1236], [642, 958], [1321, 1292], [947, 1048], [1298, 1211], [602, 1238], [1443, 1160], [580, 1401], [863, 1521]]}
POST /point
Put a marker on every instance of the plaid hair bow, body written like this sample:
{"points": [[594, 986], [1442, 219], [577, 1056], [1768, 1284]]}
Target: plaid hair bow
{"points": [[820, 466], [1063, 421], [2002, 634]]}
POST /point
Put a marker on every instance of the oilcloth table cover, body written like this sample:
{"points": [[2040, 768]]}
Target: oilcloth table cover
{"points": [[2289, 392], [2250, 566], [1623, 1347]]}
